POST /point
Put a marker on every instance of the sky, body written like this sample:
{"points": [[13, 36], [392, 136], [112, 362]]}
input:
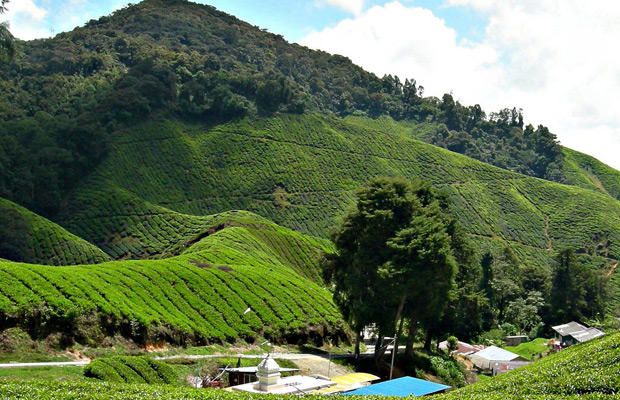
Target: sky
{"points": [[555, 59]]}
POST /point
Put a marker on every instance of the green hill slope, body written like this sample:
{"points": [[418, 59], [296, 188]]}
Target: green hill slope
{"points": [[589, 370], [197, 297], [27, 237], [301, 171], [588, 172]]}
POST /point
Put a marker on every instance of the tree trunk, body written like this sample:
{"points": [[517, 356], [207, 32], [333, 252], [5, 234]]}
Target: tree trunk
{"points": [[358, 338], [399, 334], [379, 350], [411, 335], [429, 338]]}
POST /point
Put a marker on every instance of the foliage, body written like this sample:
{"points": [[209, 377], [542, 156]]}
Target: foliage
{"points": [[167, 59], [453, 343], [198, 297], [449, 371], [27, 237], [394, 255], [577, 292], [131, 370], [587, 370]]}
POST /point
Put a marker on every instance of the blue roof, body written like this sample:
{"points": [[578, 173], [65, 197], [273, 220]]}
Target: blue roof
{"points": [[401, 387]]}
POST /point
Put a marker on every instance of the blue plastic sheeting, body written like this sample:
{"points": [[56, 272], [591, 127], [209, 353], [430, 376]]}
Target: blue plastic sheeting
{"points": [[401, 387]]}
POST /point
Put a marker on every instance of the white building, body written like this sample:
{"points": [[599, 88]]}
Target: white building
{"points": [[270, 381]]}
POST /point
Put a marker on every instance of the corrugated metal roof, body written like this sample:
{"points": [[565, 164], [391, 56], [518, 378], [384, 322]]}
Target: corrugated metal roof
{"points": [[494, 353], [569, 329], [588, 334], [401, 387], [579, 332]]}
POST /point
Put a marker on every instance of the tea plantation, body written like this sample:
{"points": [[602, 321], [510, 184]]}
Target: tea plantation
{"points": [[131, 370], [197, 297], [28, 237], [301, 171]]}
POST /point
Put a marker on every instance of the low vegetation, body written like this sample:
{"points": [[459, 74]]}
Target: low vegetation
{"points": [[28, 237], [199, 297], [588, 370], [131, 370]]}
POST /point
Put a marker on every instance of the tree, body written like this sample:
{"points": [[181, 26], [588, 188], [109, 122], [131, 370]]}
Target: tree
{"points": [[384, 207], [577, 292], [453, 344], [523, 312], [7, 41], [393, 258]]}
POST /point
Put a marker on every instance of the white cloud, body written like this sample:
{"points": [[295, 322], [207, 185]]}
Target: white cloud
{"points": [[556, 59], [26, 19], [412, 43], [353, 6]]}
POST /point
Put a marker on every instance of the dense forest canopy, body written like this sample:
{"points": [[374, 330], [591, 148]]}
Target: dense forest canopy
{"points": [[63, 98]]}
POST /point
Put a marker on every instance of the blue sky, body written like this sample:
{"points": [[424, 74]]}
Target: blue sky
{"points": [[552, 58]]}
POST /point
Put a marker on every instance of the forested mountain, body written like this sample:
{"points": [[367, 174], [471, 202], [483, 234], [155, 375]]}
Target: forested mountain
{"points": [[64, 98], [140, 131]]}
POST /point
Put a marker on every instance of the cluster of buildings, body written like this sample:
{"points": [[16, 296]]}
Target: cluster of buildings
{"points": [[266, 378], [498, 360]]}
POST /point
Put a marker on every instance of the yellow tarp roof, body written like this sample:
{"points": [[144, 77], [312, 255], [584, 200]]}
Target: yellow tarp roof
{"points": [[348, 382], [351, 379]]}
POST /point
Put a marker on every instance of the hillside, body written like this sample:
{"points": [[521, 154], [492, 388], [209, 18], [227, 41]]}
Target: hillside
{"points": [[197, 297], [177, 59], [588, 172], [301, 171], [27, 237], [140, 131], [588, 370]]}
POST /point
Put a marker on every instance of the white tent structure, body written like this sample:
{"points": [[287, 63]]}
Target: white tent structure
{"points": [[484, 359]]}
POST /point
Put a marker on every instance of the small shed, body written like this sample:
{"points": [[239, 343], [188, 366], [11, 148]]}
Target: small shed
{"points": [[574, 332], [516, 340], [401, 387], [485, 358]]}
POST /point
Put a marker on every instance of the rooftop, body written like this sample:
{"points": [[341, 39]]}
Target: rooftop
{"points": [[400, 387], [495, 353], [290, 385], [579, 332]]}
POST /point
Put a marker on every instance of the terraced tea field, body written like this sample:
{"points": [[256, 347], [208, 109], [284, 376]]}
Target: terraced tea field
{"points": [[198, 297], [302, 171], [41, 241], [588, 371]]}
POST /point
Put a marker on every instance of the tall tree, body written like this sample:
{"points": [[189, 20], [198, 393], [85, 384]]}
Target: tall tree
{"points": [[394, 258], [577, 292], [7, 41], [384, 207]]}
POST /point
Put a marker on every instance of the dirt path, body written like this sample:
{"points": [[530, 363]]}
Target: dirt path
{"points": [[316, 365]]}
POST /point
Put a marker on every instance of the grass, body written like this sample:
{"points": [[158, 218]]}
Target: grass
{"points": [[586, 371], [71, 373], [530, 350]]}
